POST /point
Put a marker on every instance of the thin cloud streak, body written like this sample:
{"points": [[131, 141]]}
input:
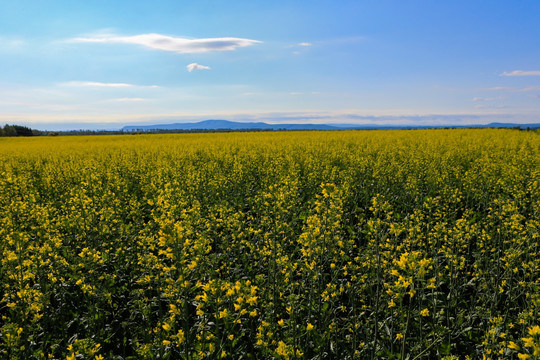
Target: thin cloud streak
{"points": [[102, 85], [521, 73], [95, 84], [125, 99], [488, 98], [9, 44], [514, 90], [174, 44]]}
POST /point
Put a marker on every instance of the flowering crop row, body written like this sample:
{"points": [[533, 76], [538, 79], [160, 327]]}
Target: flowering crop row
{"points": [[290, 245]]}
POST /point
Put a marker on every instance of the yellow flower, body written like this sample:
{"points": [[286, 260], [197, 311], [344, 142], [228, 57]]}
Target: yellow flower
{"points": [[391, 303], [173, 309], [180, 336], [223, 314], [535, 330], [282, 349], [399, 336], [424, 312], [281, 322], [252, 300], [309, 327], [513, 345], [166, 327], [166, 342], [529, 342], [523, 356]]}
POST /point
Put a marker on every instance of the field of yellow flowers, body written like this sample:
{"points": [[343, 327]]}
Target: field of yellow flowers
{"points": [[420, 244]]}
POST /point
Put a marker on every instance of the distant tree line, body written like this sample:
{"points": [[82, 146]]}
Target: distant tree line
{"points": [[18, 130]]}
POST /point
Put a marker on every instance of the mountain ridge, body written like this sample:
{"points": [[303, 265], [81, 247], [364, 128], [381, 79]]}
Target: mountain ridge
{"points": [[218, 124]]}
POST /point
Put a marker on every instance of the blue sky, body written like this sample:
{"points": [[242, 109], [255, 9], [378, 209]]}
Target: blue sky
{"points": [[105, 64]]}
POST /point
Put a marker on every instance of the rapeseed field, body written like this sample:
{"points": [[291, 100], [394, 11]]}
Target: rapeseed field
{"points": [[421, 244]]}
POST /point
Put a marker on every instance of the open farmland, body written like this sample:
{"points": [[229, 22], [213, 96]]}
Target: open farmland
{"points": [[289, 245]]}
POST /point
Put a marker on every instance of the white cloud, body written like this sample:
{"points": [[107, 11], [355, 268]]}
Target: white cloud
{"points": [[96, 84], [101, 84], [499, 88], [305, 44], [530, 88], [9, 44], [195, 66], [126, 99], [175, 44], [488, 98], [521, 73], [515, 90]]}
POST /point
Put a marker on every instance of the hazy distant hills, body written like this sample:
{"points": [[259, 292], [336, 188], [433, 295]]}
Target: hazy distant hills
{"points": [[231, 125], [234, 125]]}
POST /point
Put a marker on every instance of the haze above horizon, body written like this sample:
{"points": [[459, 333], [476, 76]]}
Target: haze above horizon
{"points": [[102, 64]]}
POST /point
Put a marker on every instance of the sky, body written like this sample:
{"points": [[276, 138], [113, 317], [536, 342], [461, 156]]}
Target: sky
{"points": [[96, 64]]}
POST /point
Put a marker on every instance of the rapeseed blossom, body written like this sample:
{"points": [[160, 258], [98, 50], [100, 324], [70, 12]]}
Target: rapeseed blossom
{"points": [[268, 245]]}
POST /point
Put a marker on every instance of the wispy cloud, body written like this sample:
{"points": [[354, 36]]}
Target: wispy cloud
{"points": [[515, 90], [127, 99], [10, 44], [299, 45], [530, 88], [195, 66], [174, 44], [488, 98], [521, 73], [95, 84]]}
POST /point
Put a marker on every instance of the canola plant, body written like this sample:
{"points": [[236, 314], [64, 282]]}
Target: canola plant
{"points": [[419, 244]]}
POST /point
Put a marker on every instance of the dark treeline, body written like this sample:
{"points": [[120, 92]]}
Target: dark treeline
{"points": [[17, 130]]}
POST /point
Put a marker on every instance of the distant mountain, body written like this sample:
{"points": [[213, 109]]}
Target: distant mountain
{"points": [[511, 125], [229, 125], [234, 125]]}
